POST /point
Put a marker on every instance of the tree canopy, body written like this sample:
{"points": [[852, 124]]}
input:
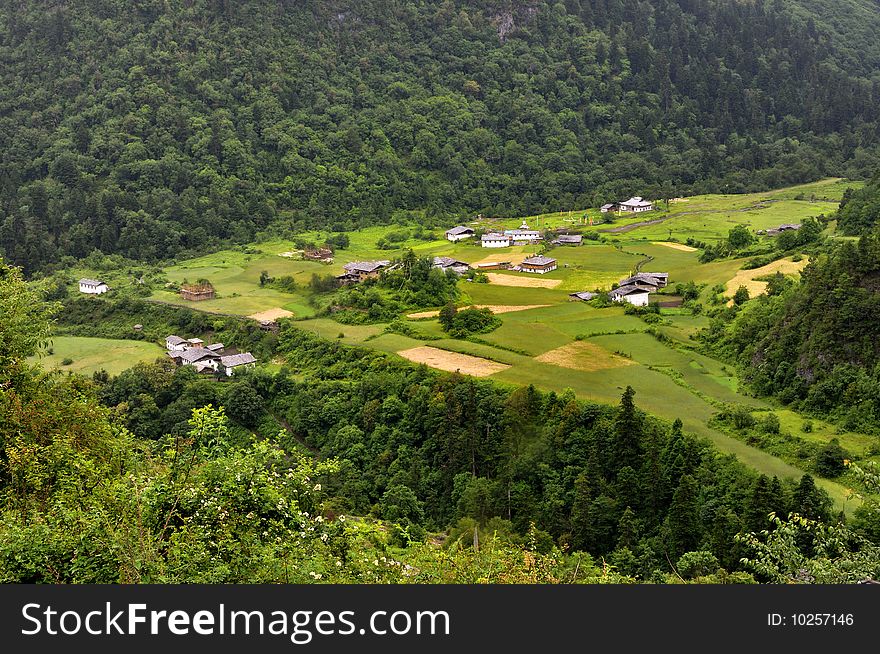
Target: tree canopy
{"points": [[155, 129]]}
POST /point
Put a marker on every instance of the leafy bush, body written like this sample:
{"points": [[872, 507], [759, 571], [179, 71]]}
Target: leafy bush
{"points": [[462, 323]]}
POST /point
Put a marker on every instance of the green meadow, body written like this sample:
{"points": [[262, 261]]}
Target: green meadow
{"points": [[671, 379], [90, 355]]}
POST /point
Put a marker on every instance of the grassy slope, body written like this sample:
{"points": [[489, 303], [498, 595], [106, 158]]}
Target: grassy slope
{"points": [[92, 354], [670, 382]]}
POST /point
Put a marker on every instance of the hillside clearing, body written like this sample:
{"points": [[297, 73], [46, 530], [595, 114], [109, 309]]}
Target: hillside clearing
{"points": [[90, 355], [581, 355], [272, 314], [675, 246], [453, 361], [494, 308], [525, 282], [749, 278]]}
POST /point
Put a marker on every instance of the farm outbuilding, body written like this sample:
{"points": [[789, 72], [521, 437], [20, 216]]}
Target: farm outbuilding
{"points": [[538, 264], [458, 233], [448, 263], [229, 364], [494, 240], [197, 292], [358, 271], [635, 204], [524, 236], [635, 295], [92, 286]]}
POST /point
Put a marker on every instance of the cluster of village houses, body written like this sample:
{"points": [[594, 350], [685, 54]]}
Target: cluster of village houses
{"points": [[207, 358], [358, 271], [635, 290]]}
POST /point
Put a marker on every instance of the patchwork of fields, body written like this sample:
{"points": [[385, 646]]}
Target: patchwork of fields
{"points": [[545, 338]]}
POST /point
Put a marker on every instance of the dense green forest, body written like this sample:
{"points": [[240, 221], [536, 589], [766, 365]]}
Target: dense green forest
{"points": [[346, 457], [814, 343], [860, 208], [157, 128]]}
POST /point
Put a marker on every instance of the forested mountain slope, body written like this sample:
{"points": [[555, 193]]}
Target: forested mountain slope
{"points": [[814, 344], [151, 128]]}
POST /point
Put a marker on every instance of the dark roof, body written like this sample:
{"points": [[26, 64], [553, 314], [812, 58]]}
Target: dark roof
{"points": [[365, 266], [494, 236], [650, 279], [447, 262], [628, 289], [237, 360], [197, 353], [459, 229], [583, 295], [539, 260], [174, 340], [215, 346]]}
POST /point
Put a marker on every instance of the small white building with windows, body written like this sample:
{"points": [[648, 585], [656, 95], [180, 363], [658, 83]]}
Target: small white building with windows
{"points": [[494, 240], [635, 204], [176, 344], [458, 233], [93, 286], [234, 362], [636, 295]]}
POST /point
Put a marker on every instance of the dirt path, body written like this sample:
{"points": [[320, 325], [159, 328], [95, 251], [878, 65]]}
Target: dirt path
{"points": [[299, 439], [623, 229]]}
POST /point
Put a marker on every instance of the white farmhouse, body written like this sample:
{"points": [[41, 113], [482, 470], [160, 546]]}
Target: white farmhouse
{"points": [[494, 240], [635, 205], [93, 286], [635, 295], [235, 361], [524, 236], [176, 344], [459, 233]]}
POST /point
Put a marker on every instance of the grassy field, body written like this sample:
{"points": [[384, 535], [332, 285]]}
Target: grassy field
{"points": [[710, 217], [92, 354], [565, 344], [236, 273]]}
